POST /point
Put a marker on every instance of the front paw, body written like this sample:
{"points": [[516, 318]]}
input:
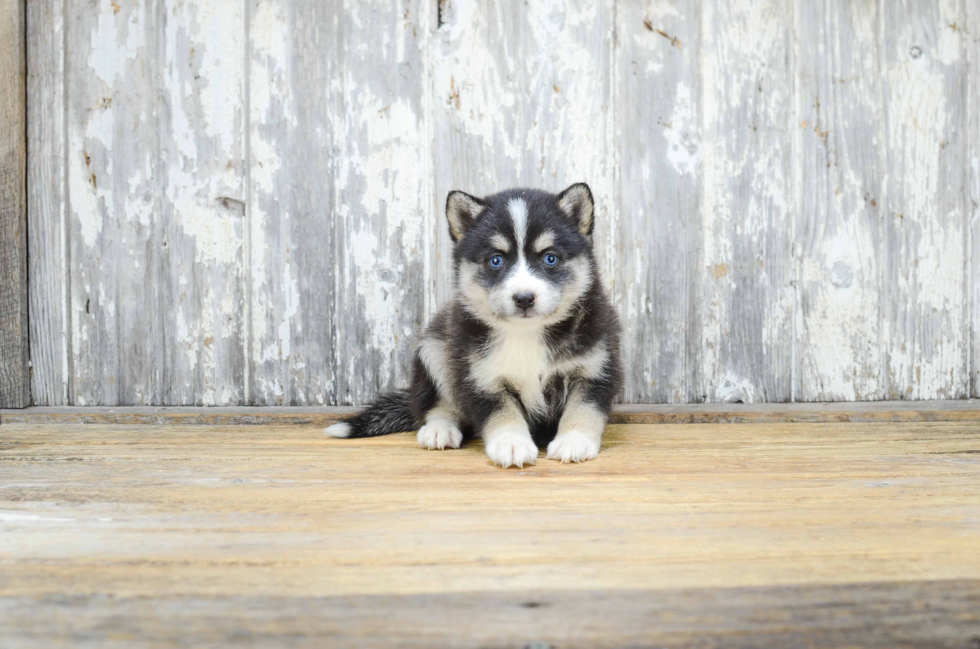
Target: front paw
{"points": [[439, 435], [512, 449], [573, 446]]}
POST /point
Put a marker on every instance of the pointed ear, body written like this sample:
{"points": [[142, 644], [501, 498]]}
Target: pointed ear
{"points": [[576, 202], [462, 211]]}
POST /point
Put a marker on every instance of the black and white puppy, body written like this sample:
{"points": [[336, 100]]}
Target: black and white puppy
{"points": [[527, 352]]}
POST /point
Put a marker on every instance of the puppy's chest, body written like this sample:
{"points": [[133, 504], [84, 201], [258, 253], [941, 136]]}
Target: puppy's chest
{"points": [[520, 361]]}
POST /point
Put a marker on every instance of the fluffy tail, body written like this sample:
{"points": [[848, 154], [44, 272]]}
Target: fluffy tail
{"points": [[388, 414]]}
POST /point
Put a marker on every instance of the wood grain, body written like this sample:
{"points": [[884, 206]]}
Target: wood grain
{"points": [[657, 278], [47, 201], [338, 198], [926, 328], [201, 285], [885, 615], [15, 386], [155, 186], [973, 206], [838, 240], [747, 299], [864, 533], [116, 202]]}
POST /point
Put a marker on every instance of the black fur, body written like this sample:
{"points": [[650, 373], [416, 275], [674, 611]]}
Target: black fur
{"points": [[389, 413]]}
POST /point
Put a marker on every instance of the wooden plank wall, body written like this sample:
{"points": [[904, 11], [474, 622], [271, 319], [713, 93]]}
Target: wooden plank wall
{"points": [[14, 359], [241, 202], [973, 205]]}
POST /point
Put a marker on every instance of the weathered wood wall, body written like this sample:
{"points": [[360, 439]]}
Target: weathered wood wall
{"points": [[14, 359], [240, 202]]}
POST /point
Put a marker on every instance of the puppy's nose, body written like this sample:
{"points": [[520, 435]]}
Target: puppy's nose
{"points": [[524, 301]]}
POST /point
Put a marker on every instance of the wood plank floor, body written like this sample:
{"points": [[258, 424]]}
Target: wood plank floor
{"points": [[728, 535]]}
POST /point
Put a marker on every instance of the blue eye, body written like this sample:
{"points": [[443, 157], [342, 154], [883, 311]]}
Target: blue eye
{"points": [[550, 259], [496, 261]]}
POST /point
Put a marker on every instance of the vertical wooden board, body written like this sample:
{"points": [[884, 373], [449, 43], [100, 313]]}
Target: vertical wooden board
{"points": [[115, 186], [522, 95], [838, 233], [14, 358], [47, 251], [747, 200], [973, 207], [339, 198], [155, 234], [926, 324], [659, 222], [203, 207], [381, 198], [291, 58]]}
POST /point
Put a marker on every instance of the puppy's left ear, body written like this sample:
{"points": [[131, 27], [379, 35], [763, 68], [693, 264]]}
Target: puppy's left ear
{"points": [[577, 203]]}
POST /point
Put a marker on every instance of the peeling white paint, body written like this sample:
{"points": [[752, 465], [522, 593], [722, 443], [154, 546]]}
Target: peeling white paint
{"points": [[390, 168], [90, 203], [116, 41], [927, 336], [474, 83], [223, 68], [379, 297], [746, 200], [290, 293], [730, 388], [682, 133], [269, 85]]}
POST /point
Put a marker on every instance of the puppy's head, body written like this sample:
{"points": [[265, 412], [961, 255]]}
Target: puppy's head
{"points": [[523, 256]]}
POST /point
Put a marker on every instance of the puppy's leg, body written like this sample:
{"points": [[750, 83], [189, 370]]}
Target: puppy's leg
{"points": [[441, 429], [429, 373], [579, 430], [507, 437]]}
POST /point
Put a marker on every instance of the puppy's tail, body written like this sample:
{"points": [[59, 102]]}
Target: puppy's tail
{"points": [[388, 414]]}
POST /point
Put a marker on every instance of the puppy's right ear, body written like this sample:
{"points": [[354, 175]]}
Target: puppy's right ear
{"points": [[462, 211]]}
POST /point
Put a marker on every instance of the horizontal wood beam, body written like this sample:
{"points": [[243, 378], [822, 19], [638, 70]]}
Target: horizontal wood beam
{"points": [[875, 411], [884, 614], [14, 357]]}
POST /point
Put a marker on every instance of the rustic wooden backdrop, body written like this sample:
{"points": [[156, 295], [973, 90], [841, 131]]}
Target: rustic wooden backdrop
{"points": [[240, 201]]}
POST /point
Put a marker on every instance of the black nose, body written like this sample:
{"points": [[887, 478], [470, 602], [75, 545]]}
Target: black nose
{"points": [[524, 301]]}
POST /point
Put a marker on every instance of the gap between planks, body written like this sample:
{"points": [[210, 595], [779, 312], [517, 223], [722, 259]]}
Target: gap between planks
{"points": [[877, 411]]}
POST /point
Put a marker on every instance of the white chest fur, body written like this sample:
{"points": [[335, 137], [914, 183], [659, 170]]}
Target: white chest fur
{"points": [[518, 358]]}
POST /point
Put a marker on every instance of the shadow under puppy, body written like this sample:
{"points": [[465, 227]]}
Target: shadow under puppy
{"points": [[526, 354]]}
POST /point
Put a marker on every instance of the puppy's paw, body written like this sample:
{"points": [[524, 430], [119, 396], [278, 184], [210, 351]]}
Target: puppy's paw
{"points": [[439, 435], [573, 446], [512, 449]]}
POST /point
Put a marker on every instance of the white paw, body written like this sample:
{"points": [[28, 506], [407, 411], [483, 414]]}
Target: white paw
{"points": [[512, 449], [573, 446], [439, 435]]}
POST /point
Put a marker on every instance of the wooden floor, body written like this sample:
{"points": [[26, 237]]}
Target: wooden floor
{"points": [[727, 535]]}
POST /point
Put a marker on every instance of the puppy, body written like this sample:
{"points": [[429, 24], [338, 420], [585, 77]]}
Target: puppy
{"points": [[526, 354]]}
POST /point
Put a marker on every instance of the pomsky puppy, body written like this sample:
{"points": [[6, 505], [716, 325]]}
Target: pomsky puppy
{"points": [[527, 352]]}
